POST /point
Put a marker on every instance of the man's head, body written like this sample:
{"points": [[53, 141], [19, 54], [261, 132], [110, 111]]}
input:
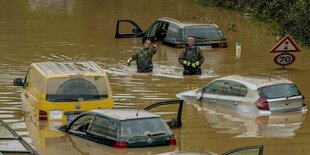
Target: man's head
{"points": [[147, 43], [190, 41]]}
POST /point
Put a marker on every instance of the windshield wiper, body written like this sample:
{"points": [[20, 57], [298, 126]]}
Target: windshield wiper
{"points": [[156, 133], [289, 96]]}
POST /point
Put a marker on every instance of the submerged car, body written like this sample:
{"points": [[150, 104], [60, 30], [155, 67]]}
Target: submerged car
{"points": [[59, 91], [257, 94], [123, 128], [248, 150], [174, 32]]}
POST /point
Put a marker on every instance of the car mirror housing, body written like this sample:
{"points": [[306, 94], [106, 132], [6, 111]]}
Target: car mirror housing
{"points": [[18, 82], [199, 95], [135, 30]]}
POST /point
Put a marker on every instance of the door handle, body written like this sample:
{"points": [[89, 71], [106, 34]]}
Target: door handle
{"points": [[26, 94], [213, 100], [235, 102]]}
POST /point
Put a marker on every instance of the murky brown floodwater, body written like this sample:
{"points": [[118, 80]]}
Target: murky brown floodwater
{"points": [[77, 30]]}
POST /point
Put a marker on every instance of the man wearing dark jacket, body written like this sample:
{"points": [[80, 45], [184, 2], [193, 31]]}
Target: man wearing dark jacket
{"points": [[143, 57], [191, 58]]}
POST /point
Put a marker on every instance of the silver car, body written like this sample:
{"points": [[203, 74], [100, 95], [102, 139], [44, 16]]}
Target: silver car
{"points": [[258, 94]]}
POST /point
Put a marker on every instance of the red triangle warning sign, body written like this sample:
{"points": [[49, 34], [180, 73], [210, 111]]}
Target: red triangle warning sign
{"points": [[287, 44]]}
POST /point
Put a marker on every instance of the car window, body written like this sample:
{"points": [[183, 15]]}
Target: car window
{"points": [[232, 88], [214, 87], [172, 32], [76, 89], [208, 32], [82, 124], [278, 91], [143, 127], [103, 127], [152, 30]]}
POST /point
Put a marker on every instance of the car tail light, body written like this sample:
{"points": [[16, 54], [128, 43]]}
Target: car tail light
{"points": [[221, 45], [121, 145], [173, 141], [303, 101], [262, 104], [42, 115]]}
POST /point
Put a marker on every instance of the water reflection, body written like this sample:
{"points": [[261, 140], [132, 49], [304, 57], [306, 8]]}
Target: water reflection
{"points": [[242, 124]]}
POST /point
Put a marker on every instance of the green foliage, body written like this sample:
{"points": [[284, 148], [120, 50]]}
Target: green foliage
{"points": [[284, 16]]}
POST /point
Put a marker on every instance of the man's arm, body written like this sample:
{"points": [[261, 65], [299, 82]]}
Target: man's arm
{"points": [[133, 57], [182, 57], [202, 59]]}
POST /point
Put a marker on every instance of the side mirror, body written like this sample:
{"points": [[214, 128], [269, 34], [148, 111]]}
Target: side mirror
{"points": [[199, 95], [64, 127], [135, 30], [18, 82]]}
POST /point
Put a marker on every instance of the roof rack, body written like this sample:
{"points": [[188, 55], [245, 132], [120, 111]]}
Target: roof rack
{"points": [[167, 18], [15, 137], [203, 19], [52, 68]]}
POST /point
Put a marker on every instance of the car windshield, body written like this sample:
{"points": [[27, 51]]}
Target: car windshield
{"points": [[278, 91], [143, 127], [68, 89], [202, 32]]}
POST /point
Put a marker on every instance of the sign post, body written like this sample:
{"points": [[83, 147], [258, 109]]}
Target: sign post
{"points": [[284, 47]]}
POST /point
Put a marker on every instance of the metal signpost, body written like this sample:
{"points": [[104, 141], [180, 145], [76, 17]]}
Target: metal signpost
{"points": [[284, 47]]}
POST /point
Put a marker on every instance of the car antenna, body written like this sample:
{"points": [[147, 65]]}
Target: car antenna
{"points": [[139, 109], [271, 75]]}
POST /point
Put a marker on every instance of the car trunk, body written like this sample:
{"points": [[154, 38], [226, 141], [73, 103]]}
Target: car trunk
{"points": [[285, 104], [282, 97]]}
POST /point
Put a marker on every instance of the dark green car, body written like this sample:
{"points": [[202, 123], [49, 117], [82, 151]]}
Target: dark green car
{"points": [[124, 128]]}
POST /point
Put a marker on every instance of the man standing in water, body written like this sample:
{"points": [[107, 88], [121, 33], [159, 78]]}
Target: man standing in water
{"points": [[191, 58], [143, 57]]}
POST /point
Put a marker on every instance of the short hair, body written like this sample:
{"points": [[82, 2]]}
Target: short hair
{"points": [[191, 38], [148, 39]]}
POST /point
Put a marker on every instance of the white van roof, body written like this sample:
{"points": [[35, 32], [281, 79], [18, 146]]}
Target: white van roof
{"points": [[71, 68]]}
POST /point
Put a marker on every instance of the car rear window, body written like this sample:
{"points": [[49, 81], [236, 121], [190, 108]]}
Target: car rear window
{"points": [[143, 127], [278, 91], [202, 32], [66, 89]]}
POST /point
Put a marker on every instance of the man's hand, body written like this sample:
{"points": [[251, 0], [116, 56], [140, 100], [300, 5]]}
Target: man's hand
{"points": [[186, 63], [128, 61]]}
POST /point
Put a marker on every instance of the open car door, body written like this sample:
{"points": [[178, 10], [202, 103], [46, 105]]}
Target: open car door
{"points": [[128, 29], [174, 122], [248, 150]]}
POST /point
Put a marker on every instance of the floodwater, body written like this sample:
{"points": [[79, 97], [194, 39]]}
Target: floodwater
{"points": [[80, 30]]}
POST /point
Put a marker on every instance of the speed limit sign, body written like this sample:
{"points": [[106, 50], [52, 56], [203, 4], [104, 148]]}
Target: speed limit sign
{"points": [[284, 59]]}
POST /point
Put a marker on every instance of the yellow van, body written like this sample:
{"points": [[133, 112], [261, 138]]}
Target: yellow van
{"points": [[58, 91]]}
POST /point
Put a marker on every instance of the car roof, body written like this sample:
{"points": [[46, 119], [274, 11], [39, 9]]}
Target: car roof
{"points": [[125, 114], [256, 80], [71, 68], [195, 21]]}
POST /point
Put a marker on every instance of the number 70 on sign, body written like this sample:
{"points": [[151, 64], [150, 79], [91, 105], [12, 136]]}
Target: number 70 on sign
{"points": [[284, 59]]}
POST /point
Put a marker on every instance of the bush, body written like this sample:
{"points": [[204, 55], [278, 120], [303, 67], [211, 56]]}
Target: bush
{"points": [[284, 16]]}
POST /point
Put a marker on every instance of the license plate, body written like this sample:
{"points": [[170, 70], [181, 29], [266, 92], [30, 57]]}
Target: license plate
{"points": [[70, 117], [55, 114], [205, 47]]}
